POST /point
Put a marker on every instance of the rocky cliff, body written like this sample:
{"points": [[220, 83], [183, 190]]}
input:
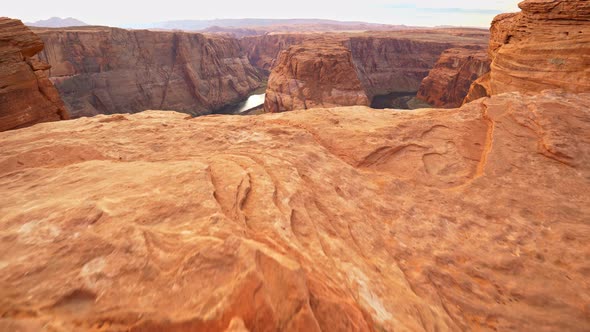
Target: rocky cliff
{"points": [[100, 70], [388, 65], [344, 219], [318, 74], [448, 83], [383, 62], [26, 95], [263, 51], [545, 46]]}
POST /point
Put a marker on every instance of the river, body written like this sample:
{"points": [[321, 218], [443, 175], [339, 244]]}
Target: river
{"points": [[252, 102]]}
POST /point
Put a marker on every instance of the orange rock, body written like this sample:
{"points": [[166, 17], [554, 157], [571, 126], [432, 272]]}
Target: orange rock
{"points": [[263, 50], [314, 75], [343, 219], [383, 63], [449, 81], [543, 47], [26, 94], [102, 70]]}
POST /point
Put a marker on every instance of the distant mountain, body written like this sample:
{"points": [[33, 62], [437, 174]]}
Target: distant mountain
{"points": [[57, 22], [223, 24]]}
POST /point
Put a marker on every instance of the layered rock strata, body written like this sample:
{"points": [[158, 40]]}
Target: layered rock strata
{"points": [[100, 70], [26, 94], [263, 51], [318, 75], [384, 63], [448, 83], [344, 219], [545, 46]]}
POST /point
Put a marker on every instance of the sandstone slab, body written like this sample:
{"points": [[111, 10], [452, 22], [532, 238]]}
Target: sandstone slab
{"points": [[340, 219]]}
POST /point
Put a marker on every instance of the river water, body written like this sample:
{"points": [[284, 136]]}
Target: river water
{"points": [[252, 102]]}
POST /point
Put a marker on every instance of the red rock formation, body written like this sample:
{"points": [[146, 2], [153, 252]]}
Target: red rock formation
{"points": [[383, 63], [314, 75], [543, 47], [448, 83], [388, 64], [264, 50], [101, 70], [348, 219], [27, 97]]}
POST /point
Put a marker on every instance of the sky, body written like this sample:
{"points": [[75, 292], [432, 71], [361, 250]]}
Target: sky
{"points": [[124, 13]]}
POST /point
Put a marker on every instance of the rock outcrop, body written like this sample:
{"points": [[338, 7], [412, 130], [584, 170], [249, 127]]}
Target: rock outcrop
{"points": [[384, 63], [387, 65], [345, 219], [314, 75], [448, 83], [545, 46], [26, 94], [100, 70], [263, 51]]}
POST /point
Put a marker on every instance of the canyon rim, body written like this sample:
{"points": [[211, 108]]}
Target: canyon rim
{"points": [[128, 204]]}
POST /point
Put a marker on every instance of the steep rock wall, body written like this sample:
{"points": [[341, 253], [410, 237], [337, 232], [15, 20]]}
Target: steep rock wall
{"points": [[388, 65], [448, 83], [101, 70], [545, 46], [26, 94], [314, 75], [383, 63], [263, 51]]}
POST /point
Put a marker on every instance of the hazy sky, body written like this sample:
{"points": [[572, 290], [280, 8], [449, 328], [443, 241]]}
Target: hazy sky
{"points": [[129, 12]]}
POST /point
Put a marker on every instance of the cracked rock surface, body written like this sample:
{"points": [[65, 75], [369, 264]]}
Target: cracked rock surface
{"points": [[340, 219]]}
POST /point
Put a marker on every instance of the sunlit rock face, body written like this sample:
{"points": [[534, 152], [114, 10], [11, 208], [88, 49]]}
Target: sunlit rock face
{"points": [[382, 62], [314, 75], [340, 219], [448, 83], [26, 95], [545, 46]]}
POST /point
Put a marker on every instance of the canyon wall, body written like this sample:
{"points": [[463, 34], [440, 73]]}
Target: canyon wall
{"points": [[448, 83], [545, 46], [101, 70], [388, 65], [314, 75], [383, 63], [348, 219], [26, 94], [264, 50]]}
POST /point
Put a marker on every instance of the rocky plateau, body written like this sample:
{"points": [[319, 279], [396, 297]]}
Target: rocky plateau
{"points": [[342, 219], [325, 218]]}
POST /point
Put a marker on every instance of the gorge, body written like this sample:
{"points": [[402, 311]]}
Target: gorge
{"points": [[101, 70], [322, 214]]}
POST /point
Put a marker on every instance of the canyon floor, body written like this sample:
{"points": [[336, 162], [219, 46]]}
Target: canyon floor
{"points": [[467, 219]]}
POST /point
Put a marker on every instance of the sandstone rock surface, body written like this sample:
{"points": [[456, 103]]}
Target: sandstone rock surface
{"points": [[26, 94], [343, 219], [263, 51], [384, 62], [545, 46], [448, 83], [314, 75], [101, 70]]}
